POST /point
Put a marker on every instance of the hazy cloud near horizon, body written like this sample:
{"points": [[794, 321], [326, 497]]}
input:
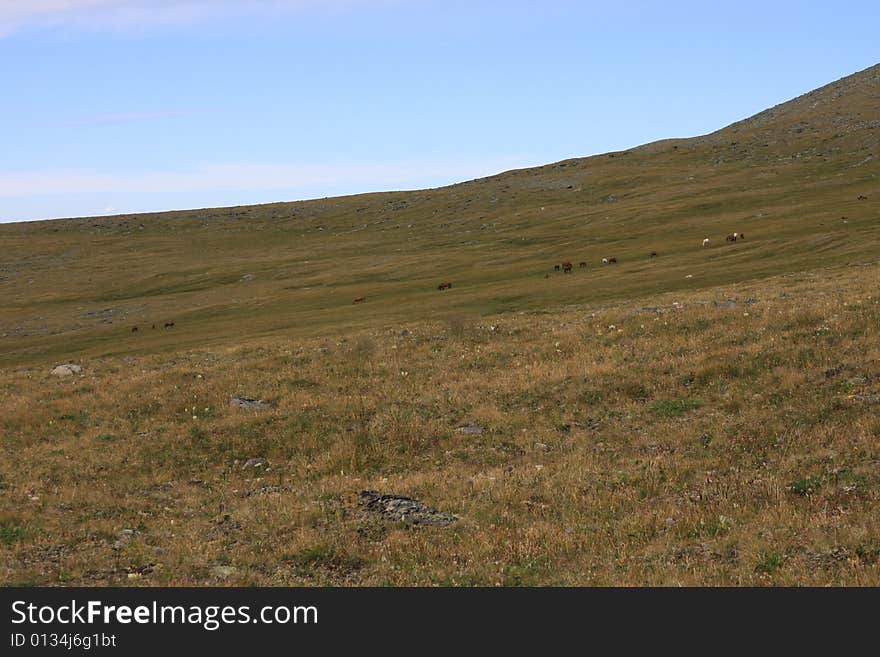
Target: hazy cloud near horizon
{"points": [[244, 176], [131, 14]]}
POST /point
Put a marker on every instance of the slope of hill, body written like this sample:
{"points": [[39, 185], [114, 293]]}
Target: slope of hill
{"points": [[789, 178], [707, 416]]}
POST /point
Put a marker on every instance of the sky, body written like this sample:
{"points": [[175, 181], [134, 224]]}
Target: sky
{"points": [[119, 106]]}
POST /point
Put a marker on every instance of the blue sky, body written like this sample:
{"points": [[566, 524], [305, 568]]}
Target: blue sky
{"points": [[113, 106]]}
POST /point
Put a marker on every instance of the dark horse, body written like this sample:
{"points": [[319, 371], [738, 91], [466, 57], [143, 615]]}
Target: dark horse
{"points": [[566, 267], [444, 286]]}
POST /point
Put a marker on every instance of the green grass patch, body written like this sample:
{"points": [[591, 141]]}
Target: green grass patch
{"points": [[667, 408]]}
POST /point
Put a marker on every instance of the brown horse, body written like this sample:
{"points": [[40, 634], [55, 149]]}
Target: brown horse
{"points": [[169, 325], [556, 268], [583, 265], [445, 286], [653, 254], [731, 238], [358, 299], [566, 267], [134, 329]]}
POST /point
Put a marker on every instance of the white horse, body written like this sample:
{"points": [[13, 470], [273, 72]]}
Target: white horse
{"points": [[706, 242]]}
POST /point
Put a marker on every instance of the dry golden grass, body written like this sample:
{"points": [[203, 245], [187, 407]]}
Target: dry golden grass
{"points": [[635, 432], [662, 440]]}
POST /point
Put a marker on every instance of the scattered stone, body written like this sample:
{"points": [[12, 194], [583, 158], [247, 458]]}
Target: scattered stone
{"points": [[730, 303], [246, 278], [223, 571], [403, 509], [404, 333], [268, 490], [68, 369], [254, 404], [470, 430], [544, 447], [834, 371], [255, 463], [589, 424], [125, 537]]}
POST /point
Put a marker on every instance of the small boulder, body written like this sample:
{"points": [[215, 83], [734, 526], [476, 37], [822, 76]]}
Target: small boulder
{"points": [[402, 509], [470, 430], [253, 404], [223, 572], [68, 369], [255, 463]]}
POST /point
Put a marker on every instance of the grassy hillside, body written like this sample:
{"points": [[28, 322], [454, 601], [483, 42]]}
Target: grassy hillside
{"points": [[786, 178], [727, 436], [706, 416]]}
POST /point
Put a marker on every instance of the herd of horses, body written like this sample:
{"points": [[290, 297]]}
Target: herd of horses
{"points": [[568, 267], [733, 237], [168, 325], [565, 268]]}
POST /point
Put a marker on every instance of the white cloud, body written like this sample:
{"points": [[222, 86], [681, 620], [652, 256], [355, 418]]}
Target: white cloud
{"points": [[131, 14], [243, 176]]}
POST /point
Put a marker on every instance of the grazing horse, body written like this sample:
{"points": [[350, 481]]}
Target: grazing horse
{"points": [[741, 236], [134, 329], [444, 286], [154, 327], [169, 325], [731, 238], [583, 265], [358, 299], [862, 197], [653, 254], [612, 260], [566, 267], [705, 242], [556, 268]]}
